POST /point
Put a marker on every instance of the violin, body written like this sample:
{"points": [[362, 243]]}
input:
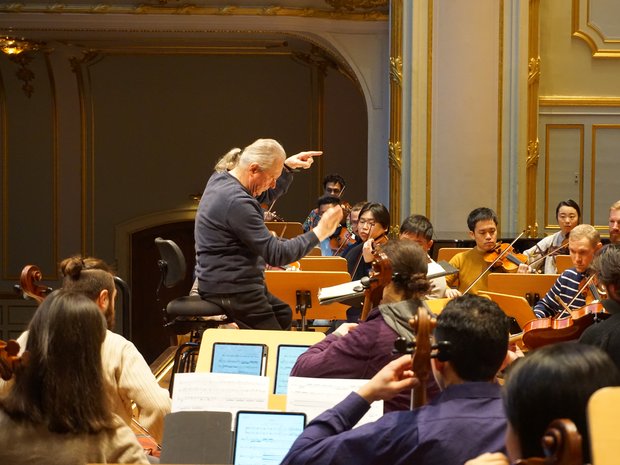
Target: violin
{"points": [[379, 277], [503, 256], [543, 331], [552, 251], [269, 215], [341, 239]]}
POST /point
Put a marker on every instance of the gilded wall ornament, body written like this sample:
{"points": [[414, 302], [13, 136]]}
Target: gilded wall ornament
{"points": [[357, 4]]}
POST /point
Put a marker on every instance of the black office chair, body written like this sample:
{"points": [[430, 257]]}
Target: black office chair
{"points": [[186, 314]]}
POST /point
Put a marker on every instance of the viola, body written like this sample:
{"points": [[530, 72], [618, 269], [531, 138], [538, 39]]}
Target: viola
{"points": [[543, 331], [379, 277], [504, 256]]}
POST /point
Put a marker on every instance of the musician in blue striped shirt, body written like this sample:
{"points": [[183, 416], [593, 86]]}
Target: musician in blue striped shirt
{"points": [[583, 243]]}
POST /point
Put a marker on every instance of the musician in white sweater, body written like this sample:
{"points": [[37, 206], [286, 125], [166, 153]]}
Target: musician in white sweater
{"points": [[128, 377]]}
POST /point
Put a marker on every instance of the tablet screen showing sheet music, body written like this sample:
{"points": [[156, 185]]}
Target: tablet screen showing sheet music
{"points": [[264, 438], [287, 356], [241, 359]]}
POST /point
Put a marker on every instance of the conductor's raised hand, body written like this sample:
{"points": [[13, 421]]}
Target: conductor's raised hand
{"points": [[329, 222], [393, 378], [302, 160]]}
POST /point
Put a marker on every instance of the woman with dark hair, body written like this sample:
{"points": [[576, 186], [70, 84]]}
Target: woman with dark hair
{"points": [[553, 382], [372, 227], [360, 351], [568, 215], [58, 412]]}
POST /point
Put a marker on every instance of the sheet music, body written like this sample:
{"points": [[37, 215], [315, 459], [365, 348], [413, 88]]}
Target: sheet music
{"points": [[264, 439], [315, 395], [340, 291], [221, 392], [287, 356], [242, 359]]}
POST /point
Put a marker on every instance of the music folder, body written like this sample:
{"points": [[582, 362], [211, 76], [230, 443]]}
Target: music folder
{"points": [[353, 293]]}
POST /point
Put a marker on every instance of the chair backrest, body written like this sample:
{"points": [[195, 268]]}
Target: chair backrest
{"points": [[446, 253], [603, 423], [172, 262], [563, 263]]}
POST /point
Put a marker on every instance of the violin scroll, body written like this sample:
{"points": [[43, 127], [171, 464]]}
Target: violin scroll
{"points": [[29, 283], [9, 358]]}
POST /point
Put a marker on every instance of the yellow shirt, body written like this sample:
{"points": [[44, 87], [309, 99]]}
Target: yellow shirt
{"points": [[470, 265]]}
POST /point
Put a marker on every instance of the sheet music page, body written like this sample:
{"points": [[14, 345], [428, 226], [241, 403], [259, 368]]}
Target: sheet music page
{"points": [[340, 290], [315, 395], [221, 392]]}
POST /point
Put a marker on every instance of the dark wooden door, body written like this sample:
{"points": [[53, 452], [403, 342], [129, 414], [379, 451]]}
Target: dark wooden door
{"points": [[147, 331]]}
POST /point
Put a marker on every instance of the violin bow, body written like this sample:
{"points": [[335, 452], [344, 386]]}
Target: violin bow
{"points": [[566, 306], [359, 260], [499, 257], [551, 253]]}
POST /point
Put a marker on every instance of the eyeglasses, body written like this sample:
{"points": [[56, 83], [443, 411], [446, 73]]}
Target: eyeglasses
{"points": [[362, 222], [333, 190]]}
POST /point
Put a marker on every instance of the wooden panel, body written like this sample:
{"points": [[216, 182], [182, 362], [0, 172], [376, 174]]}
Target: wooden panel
{"points": [[15, 316], [521, 284], [323, 264]]}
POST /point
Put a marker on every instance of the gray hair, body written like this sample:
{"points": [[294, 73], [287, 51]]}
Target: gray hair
{"points": [[264, 152]]}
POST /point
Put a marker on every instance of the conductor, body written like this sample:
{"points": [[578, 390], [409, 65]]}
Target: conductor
{"points": [[232, 242]]}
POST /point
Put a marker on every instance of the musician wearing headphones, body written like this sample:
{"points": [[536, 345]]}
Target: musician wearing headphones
{"points": [[462, 422], [577, 372], [584, 241], [606, 333]]}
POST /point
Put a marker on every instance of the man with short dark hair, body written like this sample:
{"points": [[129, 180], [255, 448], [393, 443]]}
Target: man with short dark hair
{"points": [[418, 228], [465, 420], [333, 185], [482, 224]]}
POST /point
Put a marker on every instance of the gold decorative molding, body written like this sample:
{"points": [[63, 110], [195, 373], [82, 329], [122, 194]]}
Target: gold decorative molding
{"points": [[561, 101], [396, 70], [586, 26], [24, 73], [358, 4], [395, 154], [532, 156], [533, 69], [185, 9], [533, 153], [396, 103]]}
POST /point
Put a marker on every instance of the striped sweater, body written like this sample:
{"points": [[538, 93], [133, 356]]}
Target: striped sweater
{"points": [[566, 288]]}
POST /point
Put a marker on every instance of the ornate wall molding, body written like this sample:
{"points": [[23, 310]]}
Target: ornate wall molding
{"points": [[342, 13], [597, 22]]}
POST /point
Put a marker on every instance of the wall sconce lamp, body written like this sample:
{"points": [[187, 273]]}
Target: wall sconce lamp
{"points": [[12, 46]]}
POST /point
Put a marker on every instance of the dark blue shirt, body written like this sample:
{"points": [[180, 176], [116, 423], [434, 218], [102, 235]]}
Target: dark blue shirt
{"points": [[232, 241], [464, 421]]}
